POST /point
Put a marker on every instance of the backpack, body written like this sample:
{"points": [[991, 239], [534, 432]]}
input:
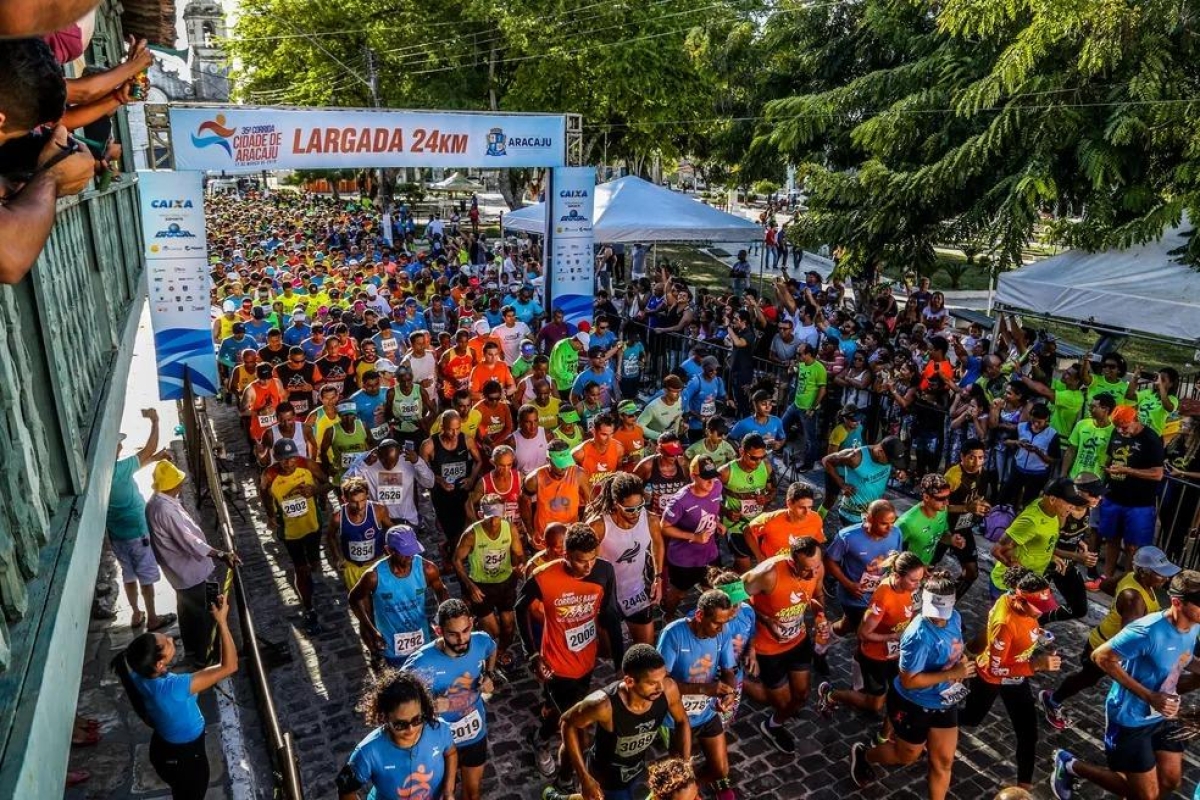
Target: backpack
{"points": [[997, 520]]}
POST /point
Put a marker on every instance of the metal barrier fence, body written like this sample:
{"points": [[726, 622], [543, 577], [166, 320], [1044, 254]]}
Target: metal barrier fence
{"points": [[1178, 504], [202, 462]]}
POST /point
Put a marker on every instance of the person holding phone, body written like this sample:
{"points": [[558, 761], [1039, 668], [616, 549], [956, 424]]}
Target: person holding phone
{"points": [[167, 702]]}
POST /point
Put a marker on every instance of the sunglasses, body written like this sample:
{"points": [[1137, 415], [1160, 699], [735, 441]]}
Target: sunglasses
{"points": [[749, 457], [400, 725], [941, 498], [632, 509]]}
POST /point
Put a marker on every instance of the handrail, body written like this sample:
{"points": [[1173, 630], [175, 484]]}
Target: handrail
{"points": [[283, 757]]}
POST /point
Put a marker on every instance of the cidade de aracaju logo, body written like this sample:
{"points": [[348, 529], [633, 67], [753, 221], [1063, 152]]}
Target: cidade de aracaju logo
{"points": [[499, 143], [247, 146]]}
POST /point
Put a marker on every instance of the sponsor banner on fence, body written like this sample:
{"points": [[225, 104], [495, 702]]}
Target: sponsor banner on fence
{"points": [[569, 242], [177, 275], [245, 138]]}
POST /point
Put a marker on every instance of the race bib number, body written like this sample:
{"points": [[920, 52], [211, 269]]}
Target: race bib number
{"points": [[696, 704], [954, 694], [405, 643], [301, 407], [391, 494], [750, 508], [267, 420], [579, 637], [380, 432], [408, 411], [467, 728], [790, 630], [893, 648], [294, 507], [493, 561], [634, 745], [348, 459], [361, 552], [708, 408], [629, 368], [869, 582], [389, 345], [631, 605], [454, 472]]}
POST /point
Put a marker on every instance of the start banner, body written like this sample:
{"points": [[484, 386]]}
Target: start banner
{"points": [[246, 138], [177, 276]]}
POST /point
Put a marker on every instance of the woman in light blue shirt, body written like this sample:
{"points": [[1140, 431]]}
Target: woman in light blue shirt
{"points": [[167, 702]]}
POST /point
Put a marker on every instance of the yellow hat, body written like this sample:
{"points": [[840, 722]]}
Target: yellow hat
{"points": [[167, 476]]}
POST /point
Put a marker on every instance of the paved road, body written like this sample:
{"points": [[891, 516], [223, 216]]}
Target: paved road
{"points": [[316, 693]]}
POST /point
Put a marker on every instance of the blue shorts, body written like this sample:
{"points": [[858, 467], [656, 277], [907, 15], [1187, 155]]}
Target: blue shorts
{"points": [[1134, 525]]}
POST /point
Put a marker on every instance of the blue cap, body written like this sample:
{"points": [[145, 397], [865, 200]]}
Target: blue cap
{"points": [[402, 540]]}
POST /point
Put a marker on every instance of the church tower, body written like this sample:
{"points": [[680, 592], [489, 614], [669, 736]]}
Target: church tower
{"points": [[205, 22]]}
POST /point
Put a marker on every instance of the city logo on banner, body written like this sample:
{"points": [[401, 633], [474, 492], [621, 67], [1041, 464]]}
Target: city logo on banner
{"points": [[248, 146]]}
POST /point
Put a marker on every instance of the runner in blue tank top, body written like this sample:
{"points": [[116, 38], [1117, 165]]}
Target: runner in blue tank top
{"points": [[860, 476], [389, 599], [356, 545], [458, 667]]}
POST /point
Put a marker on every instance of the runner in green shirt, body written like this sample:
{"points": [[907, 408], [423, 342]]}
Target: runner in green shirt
{"points": [[714, 444], [1031, 539], [1087, 447], [926, 525], [1065, 395], [564, 360], [1155, 403]]}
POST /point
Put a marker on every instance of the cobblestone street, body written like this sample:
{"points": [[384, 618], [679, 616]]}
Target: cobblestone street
{"points": [[317, 690]]}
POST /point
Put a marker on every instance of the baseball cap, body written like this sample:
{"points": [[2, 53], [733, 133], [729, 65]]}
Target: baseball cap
{"points": [[239, 327], [1090, 485], [710, 361], [705, 467], [402, 540], [1042, 600], [1155, 560], [481, 327], [346, 408], [849, 410], [263, 371], [568, 415], [385, 365], [670, 445], [389, 443], [584, 338], [1064, 489], [285, 448], [229, 306]]}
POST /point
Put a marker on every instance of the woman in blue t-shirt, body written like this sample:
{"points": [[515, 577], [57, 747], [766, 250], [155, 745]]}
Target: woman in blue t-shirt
{"points": [[166, 701]]}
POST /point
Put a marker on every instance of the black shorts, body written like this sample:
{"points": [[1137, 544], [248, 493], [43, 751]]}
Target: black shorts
{"points": [[305, 551], [912, 722], [854, 617], [562, 693], [967, 554], [1132, 750], [738, 546], [473, 755], [711, 729], [497, 597], [773, 671], [876, 676], [684, 578], [643, 617]]}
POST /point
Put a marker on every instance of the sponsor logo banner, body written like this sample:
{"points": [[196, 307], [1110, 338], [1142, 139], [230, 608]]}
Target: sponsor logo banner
{"points": [[572, 265]]}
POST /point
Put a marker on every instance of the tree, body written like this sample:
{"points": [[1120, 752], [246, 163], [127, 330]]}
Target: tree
{"points": [[907, 116]]}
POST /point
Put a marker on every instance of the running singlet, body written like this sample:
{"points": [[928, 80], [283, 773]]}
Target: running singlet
{"points": [[456, 679], [290, 377], [371, 411], [262, 408], [922, 534], [784, 606], [362, 542], [415, 773], [573, 439], [457, 371], [1011, 640], [399, 605], [925, 647], [530, 453], [598, 464], [346, 445], [747, 507], [490, 560], [894, 610], [660, 487], [511, 497], [617, 757], [776, 532], [451, 464], [407, 409], [1111, 623], [277, 435], [557, 500], [572, 608], [869, 480], [691, 659], [297, 513], [629, 553]]}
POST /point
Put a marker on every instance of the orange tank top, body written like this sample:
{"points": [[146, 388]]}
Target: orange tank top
{"points": [[262, 410], [557, 501], [1011, 640], [894, 609], [599, 464], [785, 606], [572, 608], [458, 370]]}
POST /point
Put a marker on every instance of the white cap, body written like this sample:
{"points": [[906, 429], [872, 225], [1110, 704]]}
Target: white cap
{"points": [[482, 327], [372, 290], [584, 338], [385, 365], [937, 606], [229, 306]]}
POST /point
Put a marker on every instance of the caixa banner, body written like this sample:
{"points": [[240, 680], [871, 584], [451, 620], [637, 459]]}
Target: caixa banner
{"points": [[246, 138]]}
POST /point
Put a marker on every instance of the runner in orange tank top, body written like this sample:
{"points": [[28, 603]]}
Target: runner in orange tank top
{"points": [[554, 493], [771, 533], [601, 455], [781, 589], [455, 366]]}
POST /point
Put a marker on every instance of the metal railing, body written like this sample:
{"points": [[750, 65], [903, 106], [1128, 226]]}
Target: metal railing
{"points": [[202, 460], [1178, 508]]}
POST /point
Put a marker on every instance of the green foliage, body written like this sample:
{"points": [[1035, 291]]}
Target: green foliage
{"points": [[972, 121], [410, 193], [765, 187]]}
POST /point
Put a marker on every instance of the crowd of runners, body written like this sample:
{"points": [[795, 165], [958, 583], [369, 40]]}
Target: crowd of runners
{"points": [[503, 490]]}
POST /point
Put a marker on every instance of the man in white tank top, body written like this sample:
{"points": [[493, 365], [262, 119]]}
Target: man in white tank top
{"points": [[529, 441], [422, 361], [285, 428]]}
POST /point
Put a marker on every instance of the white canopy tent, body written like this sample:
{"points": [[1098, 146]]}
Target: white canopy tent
{"points": [[630, 210], [457, 183], [1142, 289]]}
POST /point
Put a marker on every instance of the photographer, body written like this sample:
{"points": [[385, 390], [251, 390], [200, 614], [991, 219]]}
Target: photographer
{"points": [[37, 165]]}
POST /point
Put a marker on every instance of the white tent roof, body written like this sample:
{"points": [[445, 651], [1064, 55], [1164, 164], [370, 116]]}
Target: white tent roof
{"points": [[457, 183], [630, 209], [1142, 289]]}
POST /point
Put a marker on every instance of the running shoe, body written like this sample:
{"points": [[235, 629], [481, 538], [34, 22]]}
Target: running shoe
{"points": [[779, 736], [543, 756], [1062, 782], [860, 770], [825, 704], [1093, 584], [552, 793], [1054, 715], [312, 625]]}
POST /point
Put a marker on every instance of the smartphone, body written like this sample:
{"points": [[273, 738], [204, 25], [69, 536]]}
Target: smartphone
{"points": [[212, 590], [409, 446]]}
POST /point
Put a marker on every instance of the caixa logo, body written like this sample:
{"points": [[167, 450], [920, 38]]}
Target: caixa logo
{"points": [[171, 204], [573, 193], [173, 231]]}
